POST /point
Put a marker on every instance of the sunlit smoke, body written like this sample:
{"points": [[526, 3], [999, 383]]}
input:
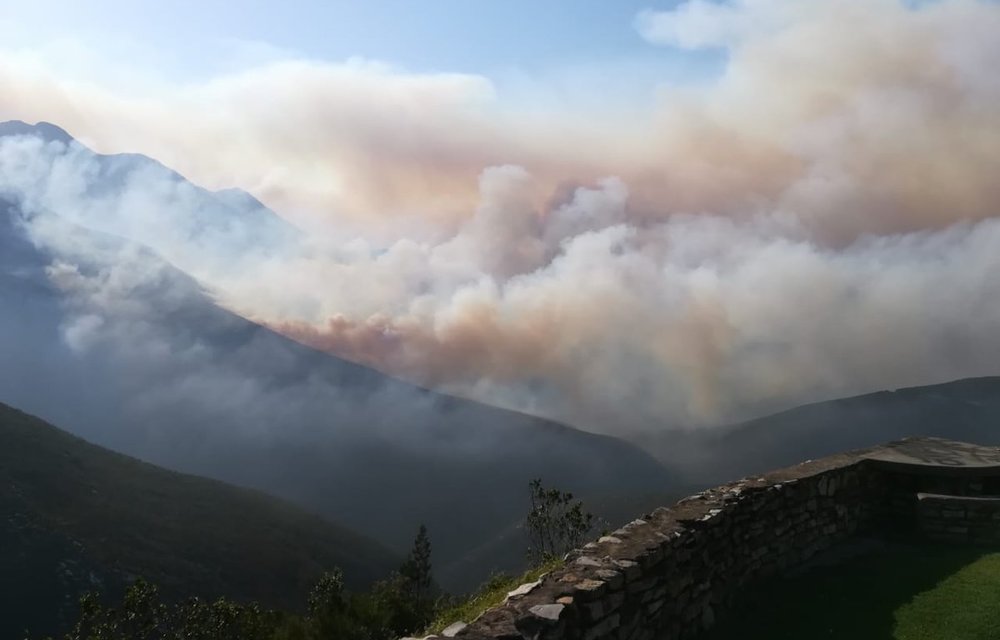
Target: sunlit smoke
{"points": [[820, 220]]}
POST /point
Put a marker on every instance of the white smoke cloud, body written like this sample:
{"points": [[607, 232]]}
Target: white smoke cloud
{"points": [[701, 24], [822, 220]]}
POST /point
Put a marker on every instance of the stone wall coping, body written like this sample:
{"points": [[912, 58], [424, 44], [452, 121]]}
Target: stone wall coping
{"points": [[622, 556], [640, 543], [959, 499], [923, 454]]}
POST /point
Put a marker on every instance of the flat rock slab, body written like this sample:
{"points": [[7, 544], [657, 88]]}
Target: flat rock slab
{"points": [[547, 611], [522, 590], [937, 452]]}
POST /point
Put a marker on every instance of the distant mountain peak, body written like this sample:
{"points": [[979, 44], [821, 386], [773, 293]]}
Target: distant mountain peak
{"points": [[230, 215], [46, 130]]}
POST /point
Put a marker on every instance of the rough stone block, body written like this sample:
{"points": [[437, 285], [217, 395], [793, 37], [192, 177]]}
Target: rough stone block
{"points": [[589, 590], [603, 628], [629, 568], [614, 579]]}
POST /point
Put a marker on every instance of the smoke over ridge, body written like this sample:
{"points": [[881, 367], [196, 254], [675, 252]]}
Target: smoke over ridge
{"points": [[823, 219]]}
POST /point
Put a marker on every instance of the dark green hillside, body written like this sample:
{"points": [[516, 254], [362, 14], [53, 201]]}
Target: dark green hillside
{"points": [[74, 517], [967, 410]]}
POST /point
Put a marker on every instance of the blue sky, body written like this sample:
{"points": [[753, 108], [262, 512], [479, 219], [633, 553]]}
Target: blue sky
{"points": [[523, 46], [454, 35]]}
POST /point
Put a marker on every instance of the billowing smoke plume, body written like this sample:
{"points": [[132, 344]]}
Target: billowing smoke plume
{"points": [[823, 219]]}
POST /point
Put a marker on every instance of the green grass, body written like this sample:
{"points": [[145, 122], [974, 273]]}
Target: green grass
{"points": [[964, 605], [919, 592], [489, 595]]}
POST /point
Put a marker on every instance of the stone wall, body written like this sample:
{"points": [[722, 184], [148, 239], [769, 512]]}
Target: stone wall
{"points": [[670, 574], [965, 519]]}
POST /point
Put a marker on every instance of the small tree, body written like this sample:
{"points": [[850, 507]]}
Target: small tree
{"points": [[417, 567], [334, 613], [409, 597], [555, 523], [327, 596]]}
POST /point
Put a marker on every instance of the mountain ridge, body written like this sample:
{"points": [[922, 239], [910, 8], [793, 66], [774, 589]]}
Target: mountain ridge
{"points": [[966, 409], [136, 356], [79, 517]]}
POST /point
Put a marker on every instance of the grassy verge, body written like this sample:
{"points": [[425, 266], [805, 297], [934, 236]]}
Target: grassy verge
{"points": [[919, 592], [489, 595], [964, 606]]}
